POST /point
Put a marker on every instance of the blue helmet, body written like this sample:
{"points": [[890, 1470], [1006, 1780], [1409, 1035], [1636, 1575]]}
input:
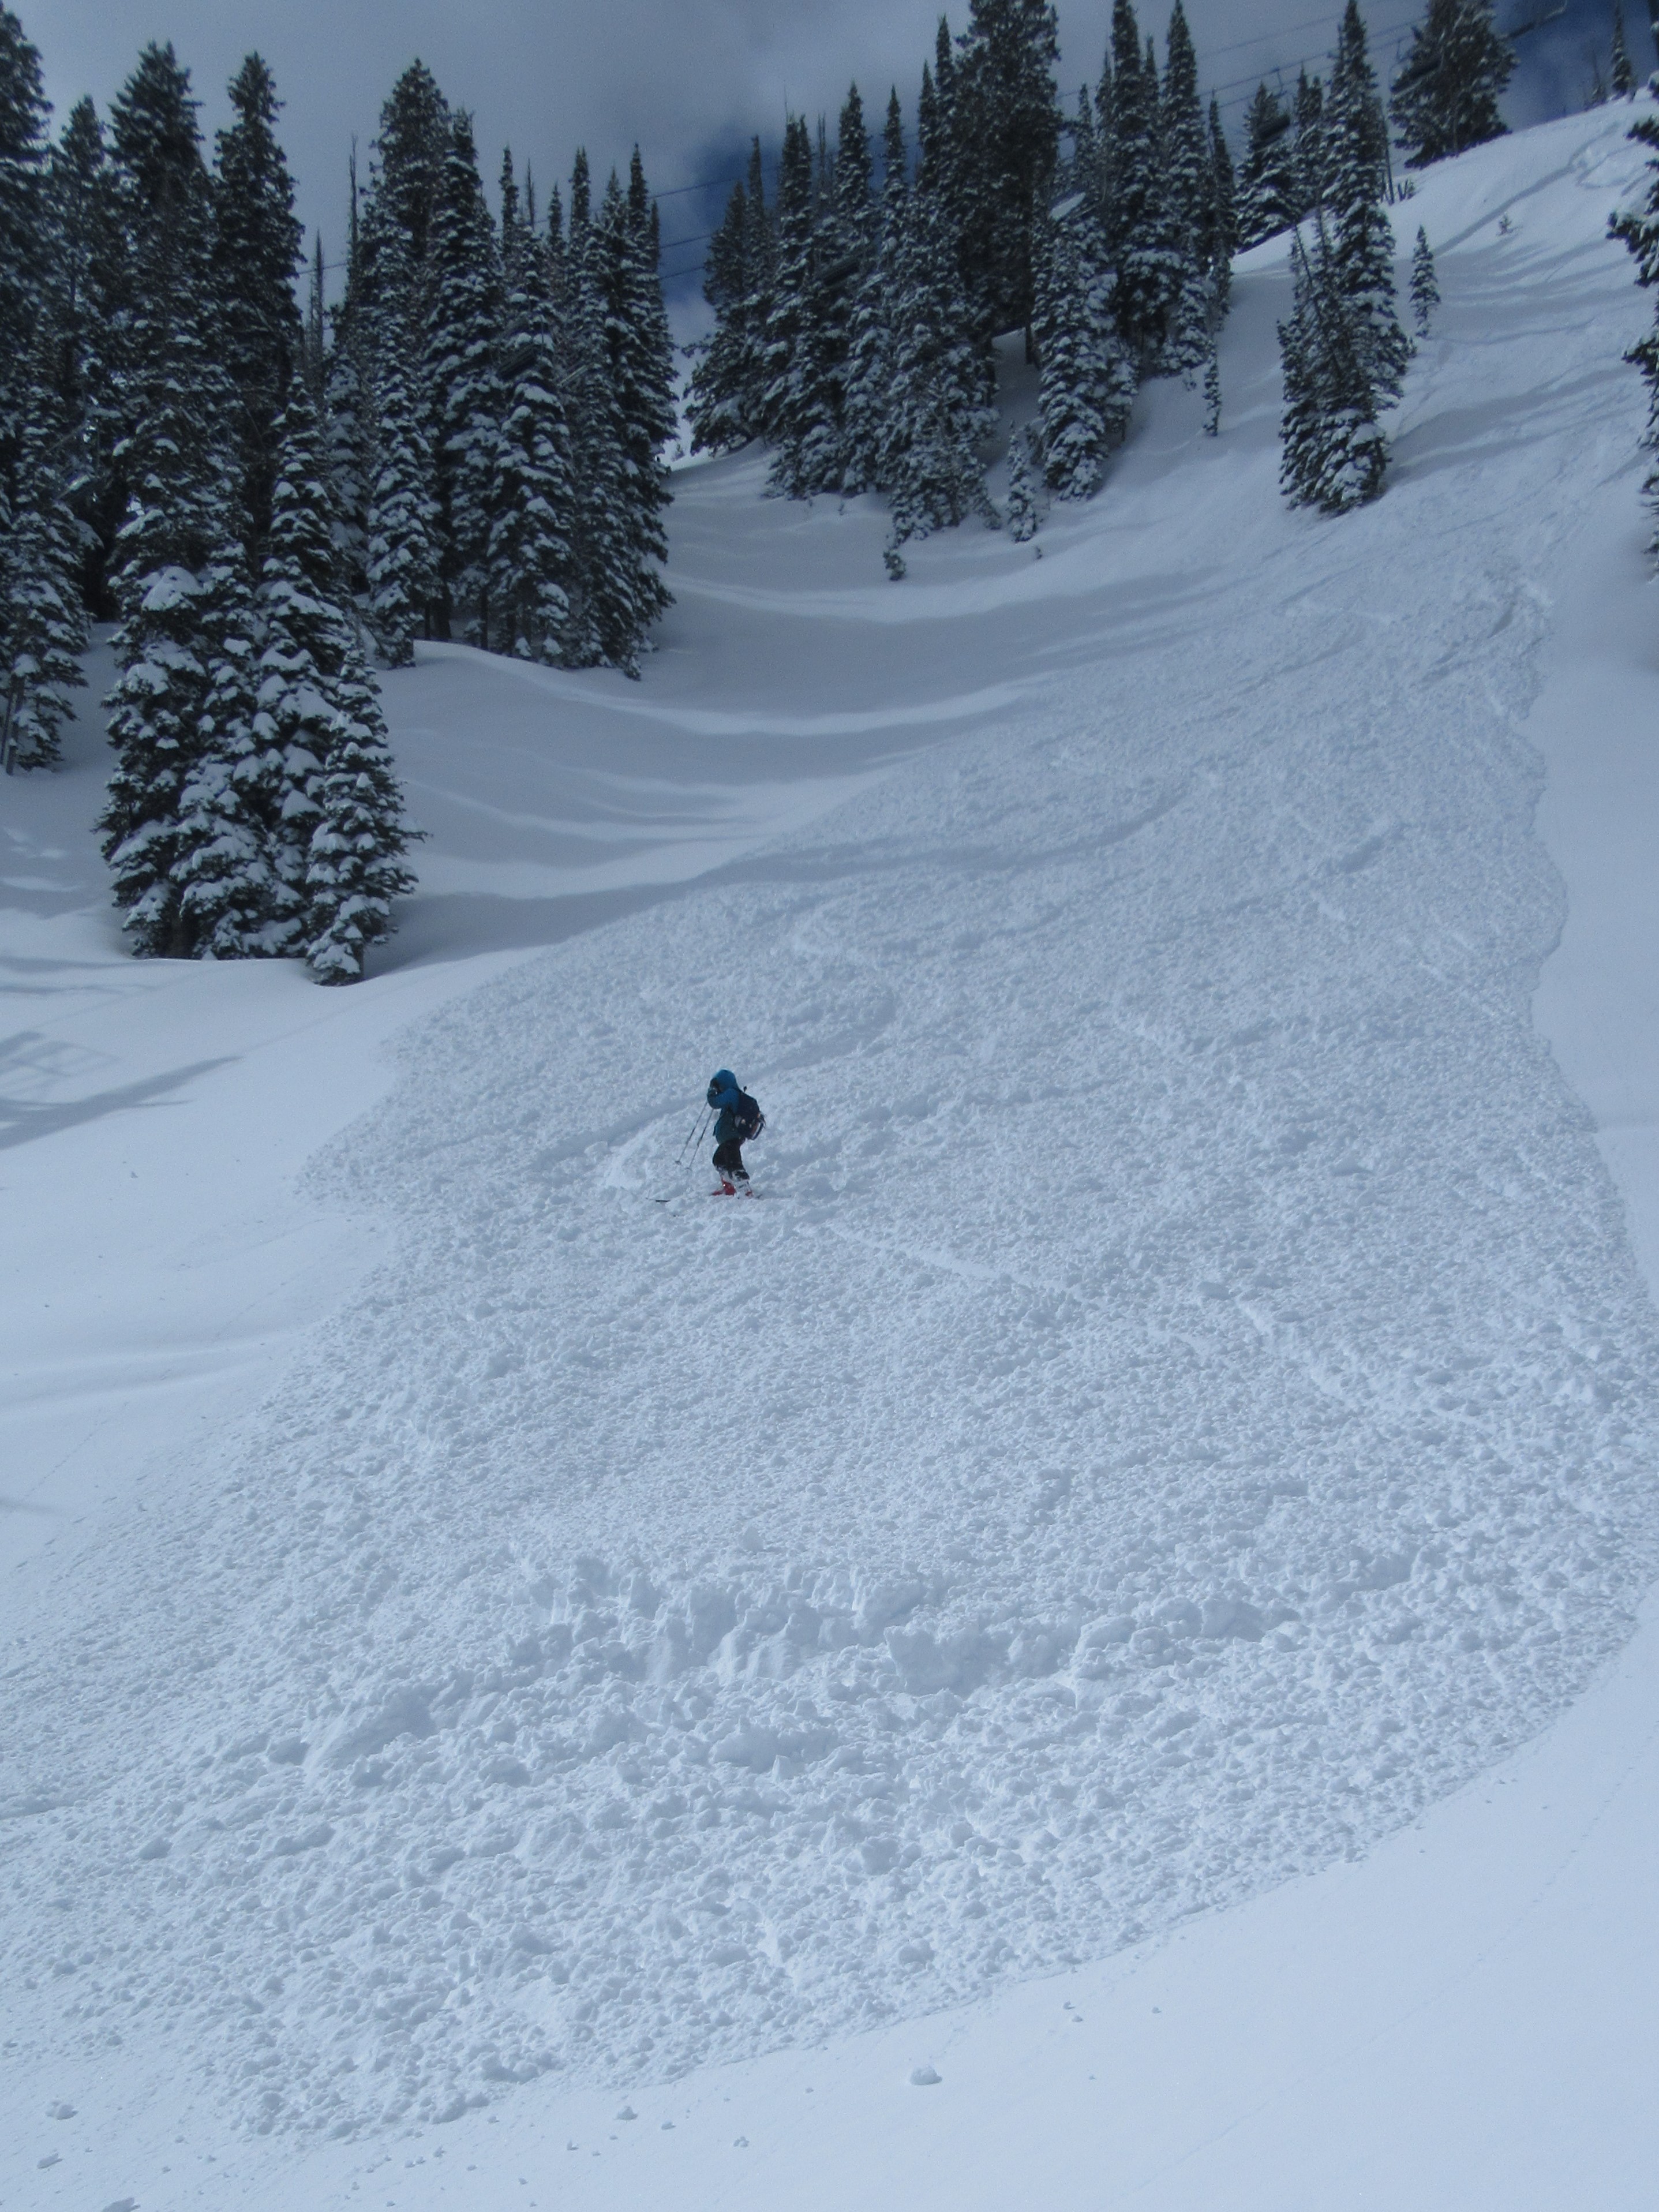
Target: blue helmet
{"points": [[722, 1087]]}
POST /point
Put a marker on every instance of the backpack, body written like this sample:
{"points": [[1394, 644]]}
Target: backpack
{"points": [[747, 1118]]}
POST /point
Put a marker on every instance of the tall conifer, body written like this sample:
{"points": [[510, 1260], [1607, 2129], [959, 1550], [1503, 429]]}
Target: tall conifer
{"points": [[256, 255], [1445, 96]]}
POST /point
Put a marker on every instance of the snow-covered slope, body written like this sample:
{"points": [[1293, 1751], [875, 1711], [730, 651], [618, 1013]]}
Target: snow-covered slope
{"points": [[1182, 1402]]}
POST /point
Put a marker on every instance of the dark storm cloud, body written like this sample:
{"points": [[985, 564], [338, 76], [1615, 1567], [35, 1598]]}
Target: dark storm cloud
{"points": [[688, 81]]}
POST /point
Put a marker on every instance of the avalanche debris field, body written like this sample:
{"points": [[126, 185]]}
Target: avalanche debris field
{"points": [[1182, 1400]]}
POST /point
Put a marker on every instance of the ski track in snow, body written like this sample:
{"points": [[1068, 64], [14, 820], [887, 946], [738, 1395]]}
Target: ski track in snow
{"points": [[1183, 1402]]}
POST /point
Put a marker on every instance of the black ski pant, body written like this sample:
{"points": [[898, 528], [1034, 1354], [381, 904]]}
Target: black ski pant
{"points": [[728, 1159]]}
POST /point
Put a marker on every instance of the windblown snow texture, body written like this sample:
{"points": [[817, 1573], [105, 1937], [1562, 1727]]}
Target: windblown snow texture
{"points": [[1187, 1402]]}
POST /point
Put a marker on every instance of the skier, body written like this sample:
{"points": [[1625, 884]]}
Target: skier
{"points": [[740, 1120]]}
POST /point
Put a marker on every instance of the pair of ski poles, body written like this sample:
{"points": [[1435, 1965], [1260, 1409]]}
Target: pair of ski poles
{"points": [[682, 1158]]}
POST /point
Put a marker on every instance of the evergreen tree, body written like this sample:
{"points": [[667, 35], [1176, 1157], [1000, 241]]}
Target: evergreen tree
{"points": [[1151, 269], [1445, 96], [401, 543], [1019, 510], [1308, 109], [464, 290], [1189, 183], [1425, 293], [157, 283], [331, 810], [936, 415], [411, 149], [1334, 453], [256, 254], [1219, 242], [175, 706], [842, 249], [1212, 394], [230, 900], [605, 624], [1269, 198], [26, 244], [1623, 77], [43, 627], [179, 705], [1189, 194], [794, 402], [349, 407], [728, 383], [641, 367], [529, 541], [1001, 115], [1355, 141], [1087, 384], [870, 339]]}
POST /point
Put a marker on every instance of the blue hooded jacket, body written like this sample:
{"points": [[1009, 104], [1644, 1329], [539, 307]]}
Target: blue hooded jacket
{"points": [[724, 1093]]}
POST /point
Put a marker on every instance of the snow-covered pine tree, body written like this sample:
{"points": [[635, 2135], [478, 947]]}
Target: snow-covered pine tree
{"points": [[1000, 116], [256, 256], [1105, 147], [842, 252], [348, 400], [945, 163], [400, 548], [1190, 193], [794, 401], [1334, 454], [1147, 246], [331, 805], [1019, 508], [1446, 94], [41, 629], [726, 406], [870, 337], [1638, 225], [605, 625], [389, 235], [1308, 109], [175, 706], [1083, 173], [180, 699], [1220, 241], [1212, 394], [85, 250], [1425, 292], [937, 414], [85, 284], [529, 539], [230, 901], [1355, 142], [642, 375], [1087, 382], [1621, 76], [411, 148], [463, 323], [43, 625], [26, 242], [1267, 195]]}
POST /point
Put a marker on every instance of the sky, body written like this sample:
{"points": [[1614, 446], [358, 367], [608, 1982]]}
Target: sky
{"points": [[688, 80]]}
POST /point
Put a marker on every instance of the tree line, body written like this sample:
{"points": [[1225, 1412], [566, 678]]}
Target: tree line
{"points": [[468, 444], [855, 315]]}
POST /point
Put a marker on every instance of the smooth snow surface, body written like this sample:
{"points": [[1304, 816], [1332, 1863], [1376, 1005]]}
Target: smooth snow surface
{"points": [[1183, 1403]]}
